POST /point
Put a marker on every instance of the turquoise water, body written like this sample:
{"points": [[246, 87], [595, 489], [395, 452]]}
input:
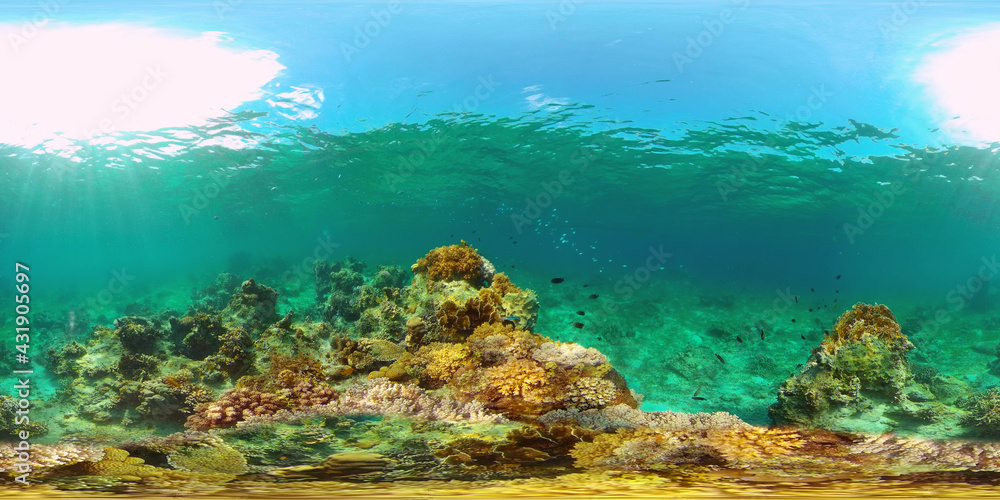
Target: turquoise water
{"points": [[699, 167]]}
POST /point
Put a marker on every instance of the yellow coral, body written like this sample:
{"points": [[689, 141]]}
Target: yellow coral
{"points": [[452, 262], [862, 321], [740, 445], [517, 377], [381, 350], [485, 307], [442, 360], [220, 458], [590, 392]]}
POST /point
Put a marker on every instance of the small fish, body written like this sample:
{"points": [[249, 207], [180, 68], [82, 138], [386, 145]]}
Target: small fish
{"points": [[578, 324], [585, 285], [311, 441], [812, 289], [793, 320], [599, 338], [512, 318], [838, 276], [738, 339], [810, 310], [796, 299], [761, 333], [557, 280], [594, 296], [581, 313], [697, 398], [215, 218], [697, 391], [720, 359], [836, 291]]}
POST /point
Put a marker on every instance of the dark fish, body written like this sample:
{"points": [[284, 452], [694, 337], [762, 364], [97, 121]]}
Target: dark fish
{"points": [[557, 280], [810, 310], [838, 276], [511, 238], [697, 398], [515, 242], [594, 296], [599, 338], [697, 391], [803, 336], [836, 291], [578, 324], [761, 333], [581, 313], [793, 320], [834, 300], [473, 231], [796, 299], [585, 285], [738, 339], [720, 359], [812, 289]]}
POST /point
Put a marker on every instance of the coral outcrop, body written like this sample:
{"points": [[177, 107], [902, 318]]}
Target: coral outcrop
{"points": [[859, 379]]}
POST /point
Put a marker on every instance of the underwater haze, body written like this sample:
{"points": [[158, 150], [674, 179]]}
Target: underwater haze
{"points": [[698, 190]]}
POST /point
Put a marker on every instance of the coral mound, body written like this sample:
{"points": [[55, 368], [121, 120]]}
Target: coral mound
{"points": [[455, 262], [860, 380]]}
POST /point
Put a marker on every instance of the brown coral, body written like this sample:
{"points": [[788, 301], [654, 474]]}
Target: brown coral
{"points": [[453, 262], [233, 406], [442, 360], [590, 392], [502, 285], [485, 307], [862, 321]]}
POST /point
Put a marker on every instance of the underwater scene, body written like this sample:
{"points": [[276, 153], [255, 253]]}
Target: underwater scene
{"points": [[395, 249]]}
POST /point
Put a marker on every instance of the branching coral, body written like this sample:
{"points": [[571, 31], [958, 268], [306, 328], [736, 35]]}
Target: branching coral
{"points": [[590, 392], [984, 411], [233, 406], [569, 354], [455, 262]]}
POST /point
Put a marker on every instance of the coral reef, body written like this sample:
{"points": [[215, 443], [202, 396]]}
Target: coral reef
{"points": [[648, 448], [859, 379], [233, 406], [137, 335], [213, 459], [44, 458], [455, 262], [253, 306], [984, 411]]}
